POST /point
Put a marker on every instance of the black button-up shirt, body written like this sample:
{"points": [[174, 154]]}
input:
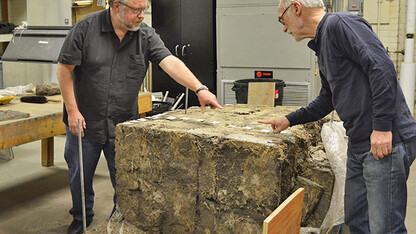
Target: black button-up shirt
{"points": [[108, 73], [358, 81]]}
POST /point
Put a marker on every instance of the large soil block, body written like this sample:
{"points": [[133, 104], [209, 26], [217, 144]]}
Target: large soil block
{"points": [[218, 171]]}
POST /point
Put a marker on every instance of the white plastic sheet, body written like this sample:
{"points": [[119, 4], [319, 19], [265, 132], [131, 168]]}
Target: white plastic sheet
{"points": [[335, 142], [17, 90]]}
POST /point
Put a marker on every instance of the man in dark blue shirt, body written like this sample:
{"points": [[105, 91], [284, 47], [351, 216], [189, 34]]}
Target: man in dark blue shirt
{"points": [[359, 82], [101, 67]]}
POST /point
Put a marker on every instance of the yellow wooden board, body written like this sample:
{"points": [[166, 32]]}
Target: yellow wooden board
{"points": [[261, 93], [287, 216], [145, 102]]}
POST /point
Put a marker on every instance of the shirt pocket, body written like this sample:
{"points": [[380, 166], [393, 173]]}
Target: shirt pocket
{"points": [[136, 67], [136, 71]]}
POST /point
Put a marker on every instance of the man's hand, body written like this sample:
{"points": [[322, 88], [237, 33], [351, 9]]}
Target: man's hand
{"points": [[278, 124], [205, 97], [73, 122], [381, 143]]}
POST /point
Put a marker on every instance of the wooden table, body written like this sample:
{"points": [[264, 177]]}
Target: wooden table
{"points": [[44, 123]]}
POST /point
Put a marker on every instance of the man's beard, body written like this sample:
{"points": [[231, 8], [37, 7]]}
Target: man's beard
{"points": [[130, 27]]}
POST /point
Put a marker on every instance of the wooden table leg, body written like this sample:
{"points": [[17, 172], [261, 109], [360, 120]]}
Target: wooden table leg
{"points": [[47, 152]]}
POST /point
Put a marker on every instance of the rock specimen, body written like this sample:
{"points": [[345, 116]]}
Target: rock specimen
{"points": [[218, 171], [47, 89], [11, 114]]}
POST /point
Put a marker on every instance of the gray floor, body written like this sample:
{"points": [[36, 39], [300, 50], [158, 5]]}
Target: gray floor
{"points": [[36, 199]]}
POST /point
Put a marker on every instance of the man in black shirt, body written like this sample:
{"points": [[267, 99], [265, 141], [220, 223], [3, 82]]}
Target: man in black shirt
{"points": [[359, 82], [101, 67]]}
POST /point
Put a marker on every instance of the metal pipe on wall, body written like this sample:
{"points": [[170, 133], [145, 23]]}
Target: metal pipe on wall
{"points": [[408, 68], [336, 5], [378, 17]]}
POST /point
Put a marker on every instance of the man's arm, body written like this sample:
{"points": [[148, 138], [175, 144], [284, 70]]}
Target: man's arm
{"points": [[176, 69], [64, 73], [317, 109]]}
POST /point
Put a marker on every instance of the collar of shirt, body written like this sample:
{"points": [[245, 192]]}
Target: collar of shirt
{"points": [[106, 25], [313, 44]]}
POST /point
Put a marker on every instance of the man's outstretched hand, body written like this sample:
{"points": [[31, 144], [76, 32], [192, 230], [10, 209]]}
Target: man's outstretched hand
{"points": [[206, 98], [278, 124]]}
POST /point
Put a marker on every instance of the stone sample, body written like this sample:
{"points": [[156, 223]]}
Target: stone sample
{"points": [[48, 89], [218, 171], [11, 114]]}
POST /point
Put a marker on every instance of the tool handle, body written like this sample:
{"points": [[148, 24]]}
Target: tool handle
{"points": [[53, 100]]}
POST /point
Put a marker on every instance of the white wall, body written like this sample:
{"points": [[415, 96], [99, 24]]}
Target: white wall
{"points": [[17, 11]]}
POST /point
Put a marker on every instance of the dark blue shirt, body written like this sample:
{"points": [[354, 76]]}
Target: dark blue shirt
{"points": [[358, 81], [108, 72]]}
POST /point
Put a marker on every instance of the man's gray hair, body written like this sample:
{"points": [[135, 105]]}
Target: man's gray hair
{"points": [[110, 2], [306, 3]]}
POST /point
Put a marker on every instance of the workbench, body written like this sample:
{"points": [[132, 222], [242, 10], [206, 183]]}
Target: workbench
{"points": [[44, 123]]}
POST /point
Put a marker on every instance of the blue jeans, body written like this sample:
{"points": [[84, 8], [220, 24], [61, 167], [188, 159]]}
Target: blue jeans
{"points": [[91, 152], [376, 191]]}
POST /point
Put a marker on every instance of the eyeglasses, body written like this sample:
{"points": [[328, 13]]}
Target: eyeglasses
{"points": [[136, 11], [280, 19]]}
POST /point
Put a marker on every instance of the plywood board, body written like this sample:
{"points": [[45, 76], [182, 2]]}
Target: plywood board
{"points": [[261, 93], [287, 216]]}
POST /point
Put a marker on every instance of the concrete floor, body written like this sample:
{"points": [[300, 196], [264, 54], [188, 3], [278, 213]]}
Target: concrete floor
{"points": [[36, 199]]}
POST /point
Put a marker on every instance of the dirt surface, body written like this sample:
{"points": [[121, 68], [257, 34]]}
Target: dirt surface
{"points": [[236, 122], [219, 171]]}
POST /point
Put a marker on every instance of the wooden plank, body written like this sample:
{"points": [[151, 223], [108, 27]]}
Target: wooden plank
{"points": [[286, 218], [21, 132], [4, 11], [145, 103], [47, 152], [261, 93]]}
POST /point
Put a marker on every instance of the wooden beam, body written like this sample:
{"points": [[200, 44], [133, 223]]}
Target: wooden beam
{"points": [[47, 152], [30, 130], [4, 11]]}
